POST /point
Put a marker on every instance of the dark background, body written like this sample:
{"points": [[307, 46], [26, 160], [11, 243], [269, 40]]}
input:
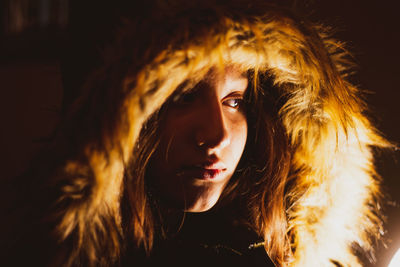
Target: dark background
{"points": [[31, 86]]}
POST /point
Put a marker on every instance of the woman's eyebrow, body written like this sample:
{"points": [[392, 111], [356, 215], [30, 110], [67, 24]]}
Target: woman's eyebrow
{"points": [[237, 84]]}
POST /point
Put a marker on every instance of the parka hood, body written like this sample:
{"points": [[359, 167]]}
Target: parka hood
{"points": [[332, 210]]}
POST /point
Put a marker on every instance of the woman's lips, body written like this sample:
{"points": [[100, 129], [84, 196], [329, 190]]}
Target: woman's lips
{"points": [[203, 173]]}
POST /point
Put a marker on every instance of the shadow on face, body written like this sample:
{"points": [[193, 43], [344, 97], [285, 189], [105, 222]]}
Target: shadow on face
{"points": [[203, 135]]}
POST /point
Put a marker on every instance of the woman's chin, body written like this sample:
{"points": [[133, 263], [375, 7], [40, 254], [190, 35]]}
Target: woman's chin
{"points": [[200, 206], [191, 197], [201, 203]]}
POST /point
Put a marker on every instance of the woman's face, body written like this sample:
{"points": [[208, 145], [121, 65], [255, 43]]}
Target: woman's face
{"points": [[203, 137]]}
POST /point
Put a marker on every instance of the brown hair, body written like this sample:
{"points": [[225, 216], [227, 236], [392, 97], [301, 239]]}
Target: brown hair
{"points": [[260, 179]]}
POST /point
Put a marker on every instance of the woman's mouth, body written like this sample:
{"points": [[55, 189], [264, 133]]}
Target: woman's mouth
{"points": [[201, 172]]}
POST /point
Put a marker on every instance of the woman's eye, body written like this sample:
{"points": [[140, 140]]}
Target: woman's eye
{"points": [[233, 102]]}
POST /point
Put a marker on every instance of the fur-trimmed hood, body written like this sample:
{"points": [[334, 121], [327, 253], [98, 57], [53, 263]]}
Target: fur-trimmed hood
{"points": [[332, 211]]}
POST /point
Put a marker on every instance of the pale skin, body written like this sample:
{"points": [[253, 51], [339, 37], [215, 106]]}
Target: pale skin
{"points": [[203, 138]]}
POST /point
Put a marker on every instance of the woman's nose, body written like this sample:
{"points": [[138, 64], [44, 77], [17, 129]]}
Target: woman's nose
{"points": [[212, 132]]}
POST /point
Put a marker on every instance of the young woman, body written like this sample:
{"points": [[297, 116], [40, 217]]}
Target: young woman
{"points": [[216, 133]]}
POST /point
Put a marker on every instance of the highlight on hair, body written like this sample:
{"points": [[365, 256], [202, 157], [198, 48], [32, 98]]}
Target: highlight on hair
{"points": [[261, 179], [309, 177]]}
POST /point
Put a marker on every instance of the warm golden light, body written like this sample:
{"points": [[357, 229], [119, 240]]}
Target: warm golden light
{"points": [[395, 260]]}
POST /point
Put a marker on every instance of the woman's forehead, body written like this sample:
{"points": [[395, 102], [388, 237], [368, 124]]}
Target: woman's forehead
{"points": [[225, 74], [224, 80]]}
